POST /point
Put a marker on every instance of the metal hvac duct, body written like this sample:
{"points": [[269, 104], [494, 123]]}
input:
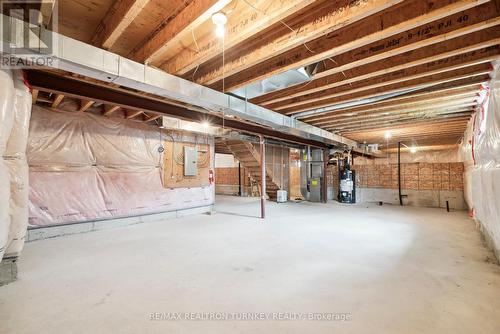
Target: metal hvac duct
{"points": [[84, 59]]}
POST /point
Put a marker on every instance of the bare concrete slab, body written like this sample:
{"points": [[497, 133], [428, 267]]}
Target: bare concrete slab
{"points": [[388, 269]]}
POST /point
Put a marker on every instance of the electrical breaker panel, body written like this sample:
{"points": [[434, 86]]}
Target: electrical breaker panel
{"points": [[190, 161]]}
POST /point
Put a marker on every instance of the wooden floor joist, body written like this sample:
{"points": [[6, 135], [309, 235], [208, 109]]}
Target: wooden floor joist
{"points": [[448, 120], [156, 47], [449, 28], [415, 99], [423, 105], [415, 131], [399, 19], [247, 20], [463, 47], [401, 76], [57, 100], [108, 109], [372, 117], [399, 119], [423, 127], [434, 132], [34, 95], [116, 21], [297, 30], [372, 121], [451, 141], [130, 114], [428, 81], [151, 118], [417, 67], [85, 104]]}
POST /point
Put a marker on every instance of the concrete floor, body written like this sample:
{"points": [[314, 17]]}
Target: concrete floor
{"points": [[392, 269]]}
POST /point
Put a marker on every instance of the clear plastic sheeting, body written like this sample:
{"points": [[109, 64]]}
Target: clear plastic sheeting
{"points": [[277, 165], [85, 167], [480, 151], [15, 159], [6, 121]]}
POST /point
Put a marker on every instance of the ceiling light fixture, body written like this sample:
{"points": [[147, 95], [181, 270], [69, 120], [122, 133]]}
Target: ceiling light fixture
{"points": [[220, 20], [387, 134], [220, 31], [413, 149]]}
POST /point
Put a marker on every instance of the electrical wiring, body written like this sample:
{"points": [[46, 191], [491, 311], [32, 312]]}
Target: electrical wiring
{"points": [[223, 77], [197, 50], [160, 155], [203, 163], [173, 146]]}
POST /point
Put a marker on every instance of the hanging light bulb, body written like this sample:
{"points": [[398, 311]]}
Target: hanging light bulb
{"points": [[220, 20], [388, 134], [220, 31], [413, 149]]}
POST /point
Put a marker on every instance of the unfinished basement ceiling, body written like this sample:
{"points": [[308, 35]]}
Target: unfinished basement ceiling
{"points": [[432, 57]]}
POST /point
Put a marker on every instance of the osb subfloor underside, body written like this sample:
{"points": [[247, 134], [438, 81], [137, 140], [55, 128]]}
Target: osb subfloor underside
{"points": [[392, 269]]}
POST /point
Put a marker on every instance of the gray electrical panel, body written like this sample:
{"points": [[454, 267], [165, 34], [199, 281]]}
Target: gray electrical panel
{"points": [[190, 161]]}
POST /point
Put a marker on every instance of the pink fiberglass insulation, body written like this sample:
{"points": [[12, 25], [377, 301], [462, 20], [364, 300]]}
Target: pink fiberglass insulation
{"points": [[15, 159], [85, 167], [6, 121]]}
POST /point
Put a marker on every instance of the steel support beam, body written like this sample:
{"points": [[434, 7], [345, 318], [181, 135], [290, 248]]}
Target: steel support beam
{"points": [[399, 174], [83, 90], [263, 177]]}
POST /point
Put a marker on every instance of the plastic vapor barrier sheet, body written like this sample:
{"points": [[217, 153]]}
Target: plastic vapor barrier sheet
{"points": [[15, 109], [85, 167], [481, 154]]}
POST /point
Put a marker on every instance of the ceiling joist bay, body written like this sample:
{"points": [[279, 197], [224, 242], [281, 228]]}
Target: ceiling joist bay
{"points": [[415, 66], [412, 14]]}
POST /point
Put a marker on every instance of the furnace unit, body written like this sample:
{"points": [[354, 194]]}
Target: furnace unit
{"points": [[311, 174]]}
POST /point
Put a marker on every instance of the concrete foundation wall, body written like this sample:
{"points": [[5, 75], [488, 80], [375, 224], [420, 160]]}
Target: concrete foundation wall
{"points": [[84, 167], [39, 233], [424, 198], [227, 182], [226, 176], [414, 176], [226, 189], [428, 179]]}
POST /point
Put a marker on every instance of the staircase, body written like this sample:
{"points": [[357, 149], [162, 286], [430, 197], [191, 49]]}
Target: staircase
{"points": [[249, 158]]}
